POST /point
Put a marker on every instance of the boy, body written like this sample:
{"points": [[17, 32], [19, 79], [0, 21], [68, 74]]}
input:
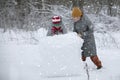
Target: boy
{"points": [[56, 27], [82, 26]]}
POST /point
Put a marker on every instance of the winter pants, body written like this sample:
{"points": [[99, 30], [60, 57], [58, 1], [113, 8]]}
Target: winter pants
{"points": [[95, 60]]}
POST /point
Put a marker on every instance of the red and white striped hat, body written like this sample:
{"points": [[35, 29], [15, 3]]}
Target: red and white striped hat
{"points": [[56, 19]]}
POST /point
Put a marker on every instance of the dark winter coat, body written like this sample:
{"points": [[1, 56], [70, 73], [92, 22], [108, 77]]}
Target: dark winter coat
{"points": [[85, 29], [60, 29]]}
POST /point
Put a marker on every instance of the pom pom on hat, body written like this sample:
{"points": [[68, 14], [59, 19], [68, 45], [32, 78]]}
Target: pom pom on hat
{"points": [[76, 12], [56, 19]]}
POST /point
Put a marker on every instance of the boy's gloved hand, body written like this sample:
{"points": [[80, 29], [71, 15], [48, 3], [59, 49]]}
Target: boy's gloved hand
{"points": [[79, 35]]}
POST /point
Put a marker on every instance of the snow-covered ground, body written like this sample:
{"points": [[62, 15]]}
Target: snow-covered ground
{"points": [[33, 56]]}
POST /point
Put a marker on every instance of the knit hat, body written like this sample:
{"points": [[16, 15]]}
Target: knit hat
{"points": [[56, 19], [76, 12]]}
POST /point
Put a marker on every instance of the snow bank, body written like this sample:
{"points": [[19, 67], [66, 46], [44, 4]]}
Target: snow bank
{"points": [[53, 56]]}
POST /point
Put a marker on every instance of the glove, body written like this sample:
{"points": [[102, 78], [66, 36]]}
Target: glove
{"points": [[79, 35], [83, 58]]}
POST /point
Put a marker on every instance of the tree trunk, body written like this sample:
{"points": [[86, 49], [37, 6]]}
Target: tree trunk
{"points": [[78, 3]]}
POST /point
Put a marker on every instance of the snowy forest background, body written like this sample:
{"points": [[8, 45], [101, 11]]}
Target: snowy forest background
{"points": [[33, 14]]}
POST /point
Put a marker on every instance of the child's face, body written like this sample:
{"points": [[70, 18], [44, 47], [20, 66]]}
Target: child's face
{"points": [[75, 19]]}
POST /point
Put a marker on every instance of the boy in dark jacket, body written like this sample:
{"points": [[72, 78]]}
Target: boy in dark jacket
{"points": [[56, 27], [82, 26]]}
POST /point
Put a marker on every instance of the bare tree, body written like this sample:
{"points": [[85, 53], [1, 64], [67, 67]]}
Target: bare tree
{"points": [[78, 3], [112, 7]]}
